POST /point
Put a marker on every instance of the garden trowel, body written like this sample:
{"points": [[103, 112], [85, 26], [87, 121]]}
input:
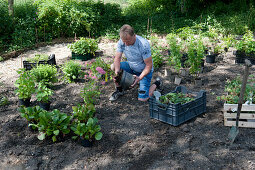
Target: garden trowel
{"points": [[234, 129]]}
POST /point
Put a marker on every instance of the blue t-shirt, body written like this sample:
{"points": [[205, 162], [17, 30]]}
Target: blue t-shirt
{"points": [[136, 53]]}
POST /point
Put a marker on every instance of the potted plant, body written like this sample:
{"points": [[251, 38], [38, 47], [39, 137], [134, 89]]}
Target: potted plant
{"points": [[46, 74], [83, 112], [31, 114], [54, 124], [72, 71], [88, 132], [43, 95], [84, 48], [25, 87]]}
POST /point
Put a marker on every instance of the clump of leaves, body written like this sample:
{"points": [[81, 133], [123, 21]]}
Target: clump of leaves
{"points": [[157, 56], [90, 92], [45, 73], [31, 114], [43, 93], [38, 57], [25, 84], [83, 112], [72, 71], [1, 59], [174, 98], [233, 88], [84, 46], [52, 124], [89, 131]]}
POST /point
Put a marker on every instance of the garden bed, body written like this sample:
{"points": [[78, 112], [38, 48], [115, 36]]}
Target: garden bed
{"points": [[131, 139]]}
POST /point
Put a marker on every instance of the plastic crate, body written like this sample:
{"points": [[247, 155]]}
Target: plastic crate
{"points": [[28, 66], [176, 114]]}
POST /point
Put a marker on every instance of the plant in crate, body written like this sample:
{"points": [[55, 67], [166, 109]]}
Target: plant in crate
{"points": [[85, 47], [72, 71], [54, 124], [176, 98], [45, 73], [88, 131], [83, 112], [43, 95], [38, 57], [25, 87]]}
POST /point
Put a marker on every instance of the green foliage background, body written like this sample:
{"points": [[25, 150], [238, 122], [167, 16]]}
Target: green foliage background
{"points": [[44, 20]]}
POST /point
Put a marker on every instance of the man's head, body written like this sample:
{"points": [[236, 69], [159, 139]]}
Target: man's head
{"points": [[127, 35]]}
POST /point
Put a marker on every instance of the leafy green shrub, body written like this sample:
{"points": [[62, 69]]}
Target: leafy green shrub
{"points": [[45, 73], [31, 114], [1, 59], [83, 112], [84, 46], [156, 56], [43, 94], [38, 57], [25, 84], [88, 131], [90, 92], [72, 71], [52, 124], [233, 88]]}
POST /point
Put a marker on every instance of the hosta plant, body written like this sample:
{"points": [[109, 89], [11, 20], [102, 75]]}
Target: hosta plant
{"points": [[72, 71]]}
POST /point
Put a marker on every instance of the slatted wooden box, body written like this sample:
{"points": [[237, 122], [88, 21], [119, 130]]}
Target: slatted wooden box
{"points": [[247, 115]]}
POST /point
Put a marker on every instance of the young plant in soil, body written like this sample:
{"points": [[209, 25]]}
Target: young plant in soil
{"points": [[72, 71], [25, 85], [89, 131], [233, 88], [90, 92], [43, 93], [83, 112], [31, 114], [174, 98], [45, 73], [52, 124]]}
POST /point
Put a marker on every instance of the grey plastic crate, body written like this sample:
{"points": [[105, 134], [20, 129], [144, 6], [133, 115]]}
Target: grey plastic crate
{"points": [[175, 114]]}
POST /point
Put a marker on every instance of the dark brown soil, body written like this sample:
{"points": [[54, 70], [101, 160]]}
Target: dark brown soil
{"points": [[131, 139]]}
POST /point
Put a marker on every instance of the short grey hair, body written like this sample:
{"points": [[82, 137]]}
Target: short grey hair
{"points": [[126, 30]]}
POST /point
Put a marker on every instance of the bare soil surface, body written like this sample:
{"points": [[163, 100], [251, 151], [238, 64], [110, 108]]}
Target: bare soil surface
{"points": [[131, 139]]}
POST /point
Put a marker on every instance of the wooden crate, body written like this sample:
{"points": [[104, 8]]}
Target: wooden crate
{"points": [[247, 115]]}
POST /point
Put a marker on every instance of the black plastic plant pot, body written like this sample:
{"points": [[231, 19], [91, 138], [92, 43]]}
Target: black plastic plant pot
{"points": [[210, 58], [86, 143], [81, 57], [45, 106], [202, 63], [24, 102]]}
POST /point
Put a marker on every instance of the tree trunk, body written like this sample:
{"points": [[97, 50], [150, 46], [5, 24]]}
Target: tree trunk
{"points": [[10, 7]]}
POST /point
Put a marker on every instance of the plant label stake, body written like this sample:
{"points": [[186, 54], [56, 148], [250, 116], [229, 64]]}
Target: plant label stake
{"points": [[234, 129]]}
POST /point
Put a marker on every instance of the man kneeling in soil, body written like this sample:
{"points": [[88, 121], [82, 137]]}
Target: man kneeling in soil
{"points": [[139, 63]]}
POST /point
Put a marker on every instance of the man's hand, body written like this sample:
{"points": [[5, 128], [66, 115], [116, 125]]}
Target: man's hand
{"points": [[137, 79]]}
